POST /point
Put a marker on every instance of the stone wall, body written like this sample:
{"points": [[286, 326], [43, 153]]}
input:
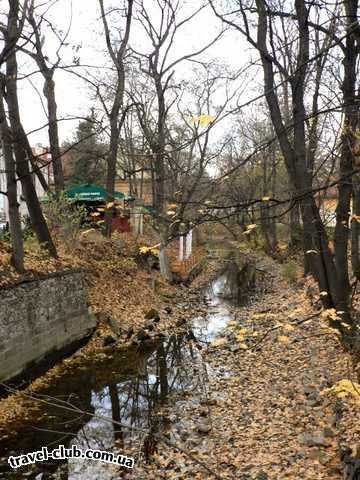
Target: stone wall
{"points": [[40, 317]]}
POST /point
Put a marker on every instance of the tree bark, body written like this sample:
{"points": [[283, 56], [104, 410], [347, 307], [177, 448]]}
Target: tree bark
{"points": [[22, 162], [355, 229], [17, 255], [49, 92], [346, 158]]}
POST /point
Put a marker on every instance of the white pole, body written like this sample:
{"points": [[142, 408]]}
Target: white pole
{"points": [[188, 244], [141, 223], [181, 248]]}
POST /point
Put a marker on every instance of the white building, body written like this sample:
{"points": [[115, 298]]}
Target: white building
{"points": [[43, 158]]}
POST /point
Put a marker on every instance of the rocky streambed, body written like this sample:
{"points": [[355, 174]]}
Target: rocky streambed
{"points": [[128, 400]]}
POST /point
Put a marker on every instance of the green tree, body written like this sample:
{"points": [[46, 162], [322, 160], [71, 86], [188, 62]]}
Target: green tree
{"points": [[88, 154]]}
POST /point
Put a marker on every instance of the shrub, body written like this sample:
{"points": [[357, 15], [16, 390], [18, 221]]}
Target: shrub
{"points": [[289, 271], [64, 218]]}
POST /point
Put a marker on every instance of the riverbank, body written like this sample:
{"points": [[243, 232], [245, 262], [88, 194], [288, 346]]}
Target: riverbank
{"points": [[208, 390], [269, 411], [136, 310]]}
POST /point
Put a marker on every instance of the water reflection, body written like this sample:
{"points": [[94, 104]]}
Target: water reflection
{"points": [[129, 388], [132, 401], [219, 297]]}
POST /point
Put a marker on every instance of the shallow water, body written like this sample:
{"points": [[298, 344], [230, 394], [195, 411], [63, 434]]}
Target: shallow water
{"points": [[128, 388]]}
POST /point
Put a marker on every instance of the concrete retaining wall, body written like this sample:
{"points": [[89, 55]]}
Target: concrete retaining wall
{"points": [[40, 317]]}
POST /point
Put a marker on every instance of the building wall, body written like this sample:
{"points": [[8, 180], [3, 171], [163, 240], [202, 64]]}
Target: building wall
{"points": [[40, 317], [42, 155], [124, 187]]}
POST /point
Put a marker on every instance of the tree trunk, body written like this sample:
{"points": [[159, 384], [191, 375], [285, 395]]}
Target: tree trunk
{"points": [[17, 255], [346, 159], [22, 164], [355, 230], [295, 242], [49, 92]]}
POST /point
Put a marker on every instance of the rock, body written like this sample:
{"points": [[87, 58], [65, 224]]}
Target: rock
{"points": [[203, 427], [109, 340], [149, 326], [160, 335], [317, 440], [168, 310], [180, 322], [328, 432], [142, 335], [152, 314], [320, 456], [309, 389], [129, 333], [262, 476], [113, 324], [313, 402], [234, 348], [209, 401]]}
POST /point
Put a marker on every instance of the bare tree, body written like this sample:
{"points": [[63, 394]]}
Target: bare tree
{"points": [[11, 35], [331, 273], [17, 255], [158, 66], [48, 71], [116, 114]]}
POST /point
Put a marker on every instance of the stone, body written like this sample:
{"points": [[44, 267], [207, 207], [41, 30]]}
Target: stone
{"points": [[203, 427], [152, 314], [109, 340], [320, 456], [329, 432], [168, 310], [113, 324], [262, 476], [313, 402], [142, 335], [180, 322], [317, 440], [129, 333], [309, 389]]}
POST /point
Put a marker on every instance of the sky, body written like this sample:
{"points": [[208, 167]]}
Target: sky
{"points": [[73, 95]]}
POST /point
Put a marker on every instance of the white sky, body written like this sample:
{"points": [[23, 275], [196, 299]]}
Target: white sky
{"points": [[73, 94]]}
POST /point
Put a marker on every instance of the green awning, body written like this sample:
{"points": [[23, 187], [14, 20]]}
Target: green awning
{"points": [[91, 193]]}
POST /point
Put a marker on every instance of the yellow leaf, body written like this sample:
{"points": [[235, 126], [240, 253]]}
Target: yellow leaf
{"points": [[110, 205], [243, 346], [265, 199], [219, 342], [283, 339], [203, 120], [289, 328], [345, 388]]}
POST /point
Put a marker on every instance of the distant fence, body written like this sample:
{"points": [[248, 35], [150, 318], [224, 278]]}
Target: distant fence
{"points": [[183, 267]]}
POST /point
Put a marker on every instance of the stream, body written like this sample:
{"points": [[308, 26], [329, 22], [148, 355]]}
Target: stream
{"points": [[130, 388]]}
